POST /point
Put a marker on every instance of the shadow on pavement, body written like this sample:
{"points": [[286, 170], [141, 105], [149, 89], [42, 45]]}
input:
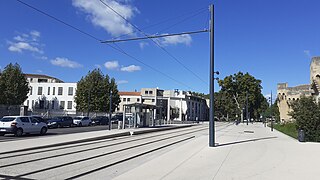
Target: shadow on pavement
{"points": [[245, 141]]}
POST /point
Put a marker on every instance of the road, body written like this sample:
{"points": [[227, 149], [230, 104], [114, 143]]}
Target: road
{"points": [[102, 159], [57, 131]]}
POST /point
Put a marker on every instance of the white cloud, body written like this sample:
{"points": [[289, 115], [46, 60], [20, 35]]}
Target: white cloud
{"points": [[19, 38], [307, 52], [65, 62], [21, 46], [26, 42], [35, 33], [111, 64], [131, 68], [97, 66], [39, 71], [143, 44], [122, 82], [100, 15], [174, 40]]}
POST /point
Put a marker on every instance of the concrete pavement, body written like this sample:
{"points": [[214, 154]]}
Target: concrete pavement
{"points": [[54, 140], [243, 152]]}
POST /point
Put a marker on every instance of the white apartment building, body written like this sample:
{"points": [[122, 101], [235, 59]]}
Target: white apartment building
{"points": [[48, 94], [170, 104], [186, 107], [128, 98]]}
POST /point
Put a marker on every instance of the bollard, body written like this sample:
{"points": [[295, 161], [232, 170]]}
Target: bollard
{"points": [[301, 135]]}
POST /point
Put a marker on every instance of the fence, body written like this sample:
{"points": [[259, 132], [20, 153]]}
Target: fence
{"points": [[12, 110]]}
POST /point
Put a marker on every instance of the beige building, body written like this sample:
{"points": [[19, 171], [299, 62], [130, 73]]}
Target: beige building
{"points": [[286, 95]]}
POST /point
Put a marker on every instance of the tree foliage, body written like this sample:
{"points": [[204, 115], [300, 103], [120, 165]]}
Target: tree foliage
{"points": [[306, 112], [14, 86], [235, 88], [94, 90]]}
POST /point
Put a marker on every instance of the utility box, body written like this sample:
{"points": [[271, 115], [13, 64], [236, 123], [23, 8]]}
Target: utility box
{"points": [[301, 135]]}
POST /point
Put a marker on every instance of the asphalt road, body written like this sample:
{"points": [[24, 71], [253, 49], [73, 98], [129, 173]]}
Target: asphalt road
{"points": [[101, 159], [57, 131]]}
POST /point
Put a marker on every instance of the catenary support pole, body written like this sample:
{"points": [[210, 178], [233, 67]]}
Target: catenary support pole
{"points": [[271, 112], [211, 114], [110, 110]]}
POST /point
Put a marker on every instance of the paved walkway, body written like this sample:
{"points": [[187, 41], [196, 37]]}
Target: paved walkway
{"points": [[66, 138], [244, 152]]}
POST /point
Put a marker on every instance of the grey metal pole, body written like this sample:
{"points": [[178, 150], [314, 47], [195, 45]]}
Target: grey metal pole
{"points": [[247, 107], [110, 110], [271, 112], [211, 114], [89, 103]]}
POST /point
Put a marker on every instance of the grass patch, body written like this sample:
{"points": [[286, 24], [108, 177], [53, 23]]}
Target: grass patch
{"points": [[288, 129]]}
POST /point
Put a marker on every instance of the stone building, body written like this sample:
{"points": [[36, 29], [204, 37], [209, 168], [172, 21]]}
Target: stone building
{"points": [[286, 95]]}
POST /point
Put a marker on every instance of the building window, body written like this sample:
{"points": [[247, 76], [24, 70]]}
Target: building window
{"points": [[60, 89], [39, 90], [52, 105], [150, 92], [145, 92], [70, 91], [128, 100], [28, 103], [61, 104], [138, 99], [124, 99], [53, 90], [48, 90], [69, 105], [30, 90], [153, 100], [32, 104]]}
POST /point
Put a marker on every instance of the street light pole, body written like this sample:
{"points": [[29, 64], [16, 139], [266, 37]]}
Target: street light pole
{"points": [[110, 109], [271, 112], [211, 114], [89, 94], [247, 107]]}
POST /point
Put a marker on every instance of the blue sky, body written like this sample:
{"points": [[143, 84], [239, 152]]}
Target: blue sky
{"points": [[272, 40]]}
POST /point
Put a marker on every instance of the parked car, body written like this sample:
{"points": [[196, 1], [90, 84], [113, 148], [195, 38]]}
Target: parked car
{"points": [[100, 120], [60, 121], [39, 118], [19, 125], [82, 121], [117, 117]]}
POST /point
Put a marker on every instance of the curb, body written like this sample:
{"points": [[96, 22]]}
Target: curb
{"points": [[129, 133]]}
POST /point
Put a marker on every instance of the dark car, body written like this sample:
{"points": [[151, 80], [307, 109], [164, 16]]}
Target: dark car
{"points": [[100, 120], [60, 121], [40, 119], [117, 117]]}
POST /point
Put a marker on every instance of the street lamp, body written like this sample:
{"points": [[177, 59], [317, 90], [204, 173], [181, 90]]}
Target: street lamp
{"points": [[110, 109], [270, 99]]}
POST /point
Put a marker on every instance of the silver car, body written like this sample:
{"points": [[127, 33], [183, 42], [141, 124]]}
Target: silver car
{"points": [[19, 125]]}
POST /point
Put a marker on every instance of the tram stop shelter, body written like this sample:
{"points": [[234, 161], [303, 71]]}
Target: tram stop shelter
{"points": [[142, 115]]}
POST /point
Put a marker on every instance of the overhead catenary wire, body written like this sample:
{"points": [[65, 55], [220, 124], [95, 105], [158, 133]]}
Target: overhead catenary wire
{"points": [[56, 19], [155, 42], [97, 39], [199, 11], [154, 69], [154, 36]]}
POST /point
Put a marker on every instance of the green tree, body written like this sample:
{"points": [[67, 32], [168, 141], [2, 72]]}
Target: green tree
{"points": [[268, 112], [239, 86], [306, 112], [14, 87], [224, 106], [94, 90]]}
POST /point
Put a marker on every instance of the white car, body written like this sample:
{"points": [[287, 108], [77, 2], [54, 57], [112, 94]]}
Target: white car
{"points": [[82, 121], [19, 125]]}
